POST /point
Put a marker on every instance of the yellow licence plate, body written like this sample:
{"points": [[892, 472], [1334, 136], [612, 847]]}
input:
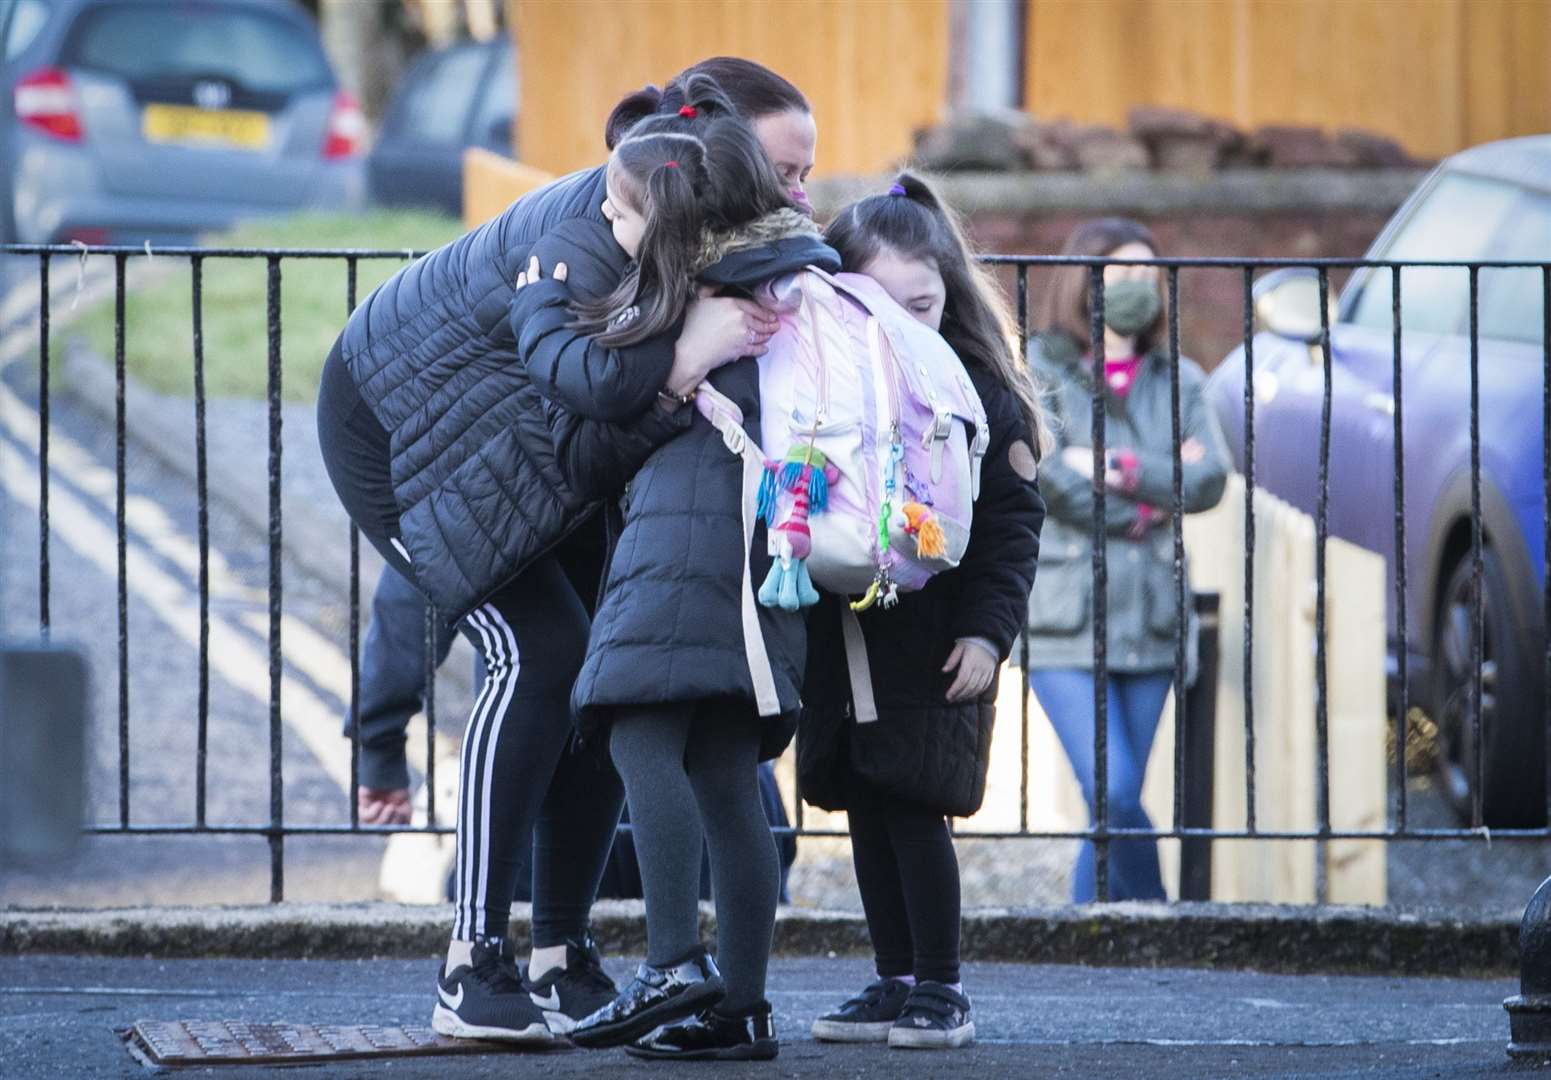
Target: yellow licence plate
{"points": [[211, 127]]}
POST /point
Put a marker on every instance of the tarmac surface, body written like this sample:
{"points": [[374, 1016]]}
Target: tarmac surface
{"points": [[58, 1016]]}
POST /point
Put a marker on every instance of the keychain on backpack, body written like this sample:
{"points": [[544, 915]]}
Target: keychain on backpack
{"points": [[807, 474]]}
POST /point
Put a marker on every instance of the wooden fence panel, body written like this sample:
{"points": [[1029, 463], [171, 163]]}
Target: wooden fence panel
{"points": [[873, 71], [1438, 75]]}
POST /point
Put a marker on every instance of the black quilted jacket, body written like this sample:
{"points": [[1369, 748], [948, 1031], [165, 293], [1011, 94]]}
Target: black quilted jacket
{"points": [[668, 626], [433, 352], [922, 749]]}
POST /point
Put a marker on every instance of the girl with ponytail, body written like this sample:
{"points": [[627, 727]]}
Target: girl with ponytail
{"points": [[934, 656], [694, 201]]}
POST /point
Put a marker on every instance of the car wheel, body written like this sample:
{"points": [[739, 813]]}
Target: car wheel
{"points": [[1512, 738]]}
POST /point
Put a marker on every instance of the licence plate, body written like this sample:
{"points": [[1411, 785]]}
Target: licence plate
{"points": [[205, 127]]}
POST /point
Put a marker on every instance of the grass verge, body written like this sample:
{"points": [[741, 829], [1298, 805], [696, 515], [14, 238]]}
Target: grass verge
{"points": [[158, 311]]}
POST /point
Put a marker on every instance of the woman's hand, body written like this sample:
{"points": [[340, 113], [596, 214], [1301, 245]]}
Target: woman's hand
{"points": [[383, 806], [531, 274], [717, 331], [976, 669]]}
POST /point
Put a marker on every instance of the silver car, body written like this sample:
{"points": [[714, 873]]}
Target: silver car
{"points": [[138, 120]]}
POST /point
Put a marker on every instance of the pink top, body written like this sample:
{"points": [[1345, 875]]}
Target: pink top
{"points": [[1120, 373]]}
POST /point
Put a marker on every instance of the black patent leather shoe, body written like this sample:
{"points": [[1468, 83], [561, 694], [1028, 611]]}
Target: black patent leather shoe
{"points": [[656, 996], [711, 1036]]}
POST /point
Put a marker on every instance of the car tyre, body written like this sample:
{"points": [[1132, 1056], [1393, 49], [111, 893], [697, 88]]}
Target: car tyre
{"points": [[1513, 739]]}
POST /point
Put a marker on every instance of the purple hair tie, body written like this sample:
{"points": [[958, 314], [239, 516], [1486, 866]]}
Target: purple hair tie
{"points": [[897, 189]]}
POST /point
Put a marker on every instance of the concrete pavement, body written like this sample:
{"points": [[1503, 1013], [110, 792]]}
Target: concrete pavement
{"points": [[57, 1016]]}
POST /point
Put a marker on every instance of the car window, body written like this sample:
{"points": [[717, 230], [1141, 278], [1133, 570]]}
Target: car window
{"points": [[437, 106], [1513, 299], [251, 49], [492, 125], [1457, 220], [27, 18]]}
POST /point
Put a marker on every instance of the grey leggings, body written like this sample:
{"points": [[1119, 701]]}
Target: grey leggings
{"points": [[690, 773]]}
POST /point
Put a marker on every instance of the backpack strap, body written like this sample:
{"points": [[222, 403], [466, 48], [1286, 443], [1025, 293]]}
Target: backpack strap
{"points": [[866, 708], [727, 418]]}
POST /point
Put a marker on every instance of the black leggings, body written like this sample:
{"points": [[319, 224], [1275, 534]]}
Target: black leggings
{"points": [[520, 780], [908, 875], [692, 771]]}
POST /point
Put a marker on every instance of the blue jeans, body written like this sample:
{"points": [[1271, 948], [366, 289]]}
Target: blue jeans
{"points": [[1135, 704]]}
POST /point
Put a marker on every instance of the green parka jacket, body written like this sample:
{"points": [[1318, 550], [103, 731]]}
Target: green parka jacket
{"points": [[1142, 613]]}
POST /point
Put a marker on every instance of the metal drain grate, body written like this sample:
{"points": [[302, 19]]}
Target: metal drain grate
{"points": [[239, 1042]]}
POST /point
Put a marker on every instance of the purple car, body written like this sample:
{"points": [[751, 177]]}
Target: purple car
{"points": [[1492, 202]]}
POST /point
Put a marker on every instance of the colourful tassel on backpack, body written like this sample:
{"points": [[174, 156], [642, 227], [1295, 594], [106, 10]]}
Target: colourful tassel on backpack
{"points": [[921, 523]]}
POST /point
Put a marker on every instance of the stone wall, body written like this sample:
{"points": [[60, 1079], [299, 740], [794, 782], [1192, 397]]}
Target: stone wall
{"points": [[1299, 213]]}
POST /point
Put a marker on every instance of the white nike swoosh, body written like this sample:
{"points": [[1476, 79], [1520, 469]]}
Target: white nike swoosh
{"points": [[452, 1001], [550, 1002]]}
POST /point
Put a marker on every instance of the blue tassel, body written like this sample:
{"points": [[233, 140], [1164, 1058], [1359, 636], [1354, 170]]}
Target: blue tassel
{"points": [[791, 475], [767, 496], [770, 591], [818, 491]]}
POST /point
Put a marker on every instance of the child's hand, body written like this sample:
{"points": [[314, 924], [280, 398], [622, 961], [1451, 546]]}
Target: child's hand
{"points": [[977, 668], [531, 274]]}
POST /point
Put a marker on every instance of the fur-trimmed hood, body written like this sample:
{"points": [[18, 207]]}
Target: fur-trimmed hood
{"points": [[762, 249]]}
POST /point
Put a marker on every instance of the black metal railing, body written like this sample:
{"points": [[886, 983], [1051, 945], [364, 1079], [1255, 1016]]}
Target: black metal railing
{"points": [[1101, 833]]}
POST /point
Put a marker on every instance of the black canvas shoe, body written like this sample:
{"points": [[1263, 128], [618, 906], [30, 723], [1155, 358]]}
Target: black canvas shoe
{"points": [[485, 999], [935, 1017], [711, 1036], [656, 996], [867, 1017], [575, 991]]}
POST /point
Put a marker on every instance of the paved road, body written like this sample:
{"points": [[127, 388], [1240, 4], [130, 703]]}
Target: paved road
{"points": [[57, 1016]]}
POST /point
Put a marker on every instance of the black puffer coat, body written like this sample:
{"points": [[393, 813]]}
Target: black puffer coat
{"points": [[668, 626], [433, 352], [922, 749]]}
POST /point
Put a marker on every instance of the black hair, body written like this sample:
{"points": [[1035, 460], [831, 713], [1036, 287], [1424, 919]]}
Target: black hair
{"points": [[976, 320], [753, 89], [688, 175]]}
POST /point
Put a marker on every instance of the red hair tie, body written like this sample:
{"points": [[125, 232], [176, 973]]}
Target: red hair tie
{"points": [[689, 112], [670, 164]]}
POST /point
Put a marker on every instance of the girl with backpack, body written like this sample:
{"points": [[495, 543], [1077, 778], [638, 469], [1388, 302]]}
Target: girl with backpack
{"points": [[933, 657], [441, 450], [667, 684]]}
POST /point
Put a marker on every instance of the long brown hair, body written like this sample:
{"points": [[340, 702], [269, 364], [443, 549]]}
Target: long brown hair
{"points": [[976, 319], [1065, 305], [753, 89], [687, 174]]}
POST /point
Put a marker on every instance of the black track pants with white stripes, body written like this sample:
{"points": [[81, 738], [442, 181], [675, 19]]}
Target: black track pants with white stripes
{"points": [[533, 636], [519, 781]]}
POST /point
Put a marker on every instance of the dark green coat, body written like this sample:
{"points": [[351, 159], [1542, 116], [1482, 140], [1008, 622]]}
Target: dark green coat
{"points": [[1141, 611]]}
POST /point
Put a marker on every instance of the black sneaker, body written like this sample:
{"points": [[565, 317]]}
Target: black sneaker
{"points": [[656, 996], [575, 991], [867, 1017], [711, 1036], [485, 999], [935, 1017]]}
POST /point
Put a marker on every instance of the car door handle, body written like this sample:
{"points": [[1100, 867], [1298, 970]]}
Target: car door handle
{"points": [[1380, 402]]}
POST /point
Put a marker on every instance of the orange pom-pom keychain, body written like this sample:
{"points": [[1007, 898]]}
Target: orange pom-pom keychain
{"points": [[922, 524]]}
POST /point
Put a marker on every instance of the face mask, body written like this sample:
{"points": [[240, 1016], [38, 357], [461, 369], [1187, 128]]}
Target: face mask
{"points": [[1130, 306]]}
